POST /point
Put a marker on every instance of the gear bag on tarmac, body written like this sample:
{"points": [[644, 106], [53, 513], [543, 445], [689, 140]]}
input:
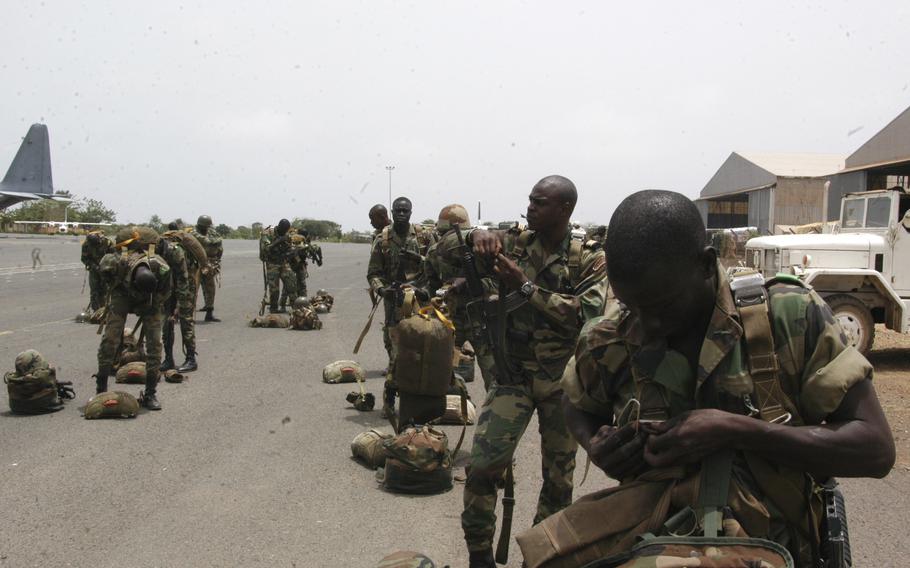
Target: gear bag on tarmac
{"points": [[343, 372], [114, 404], [33, 387], [132, 373], [418, 462], [367, 447]]}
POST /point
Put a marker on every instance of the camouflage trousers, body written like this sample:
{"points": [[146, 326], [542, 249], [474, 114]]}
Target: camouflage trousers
{"points": [[275, 273], [187, 326], [483, 354], [97, 289], [118, 309], [300, 278], [503, 420], [207, 281]]}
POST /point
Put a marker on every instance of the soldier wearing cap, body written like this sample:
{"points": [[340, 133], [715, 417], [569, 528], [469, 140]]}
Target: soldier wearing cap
{"points": [[140, 283], [214, 249]]}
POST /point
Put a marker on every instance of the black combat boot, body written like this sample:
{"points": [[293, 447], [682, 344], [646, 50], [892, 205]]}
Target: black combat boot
{"points": [[189, 365], [147, 398], [481, 558], [101, 379], [209, 316], [168, 363]]}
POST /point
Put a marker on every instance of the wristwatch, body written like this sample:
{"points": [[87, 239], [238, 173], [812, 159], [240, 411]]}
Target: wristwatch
{"points": [[527, 289]]}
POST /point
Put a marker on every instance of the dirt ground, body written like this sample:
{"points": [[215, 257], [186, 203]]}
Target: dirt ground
{"points": [[891, 357]]}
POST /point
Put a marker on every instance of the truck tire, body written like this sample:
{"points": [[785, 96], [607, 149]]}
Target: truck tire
{"points": [[855, 319]]}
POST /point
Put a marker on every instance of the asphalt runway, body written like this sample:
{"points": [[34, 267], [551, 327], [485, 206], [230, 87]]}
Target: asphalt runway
{"points": [[249, 462]]}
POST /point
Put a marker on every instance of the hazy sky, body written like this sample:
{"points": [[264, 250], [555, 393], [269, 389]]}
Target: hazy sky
{"points": [[255, 111]]}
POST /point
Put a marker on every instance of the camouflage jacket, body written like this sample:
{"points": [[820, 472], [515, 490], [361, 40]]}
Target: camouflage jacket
{"points": [[94, 249], [213, 245], [182, 287], [571, 287], [117, 269], [274, 249], [397, 259], [612, 367], [442, 265]]}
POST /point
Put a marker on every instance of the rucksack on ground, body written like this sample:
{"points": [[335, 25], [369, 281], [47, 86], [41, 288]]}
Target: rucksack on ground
{"points": [[33, 387], [418, 462], [343, 372], [423, 365], [367, 447]]}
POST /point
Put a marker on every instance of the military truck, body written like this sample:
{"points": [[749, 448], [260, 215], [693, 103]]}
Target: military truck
{"points": [[862, 268]]}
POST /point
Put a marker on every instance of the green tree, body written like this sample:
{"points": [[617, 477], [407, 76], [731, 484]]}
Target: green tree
{"points": [[319, 228], [224, 230], [155, 223]]}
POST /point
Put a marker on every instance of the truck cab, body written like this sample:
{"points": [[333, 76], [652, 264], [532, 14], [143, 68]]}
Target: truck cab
{"points": [[861, 268]]}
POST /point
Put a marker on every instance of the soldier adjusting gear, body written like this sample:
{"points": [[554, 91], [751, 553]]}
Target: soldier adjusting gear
{"points": [[452, 215]]}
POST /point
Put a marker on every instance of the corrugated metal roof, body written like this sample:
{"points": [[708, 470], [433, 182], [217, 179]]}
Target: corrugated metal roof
{"points": [[796, 165]]}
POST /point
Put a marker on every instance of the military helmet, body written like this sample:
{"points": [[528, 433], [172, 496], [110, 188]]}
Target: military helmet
{"points": [[450, 215], [322, 292], [204, 221], [30, 361], [301, 302]]}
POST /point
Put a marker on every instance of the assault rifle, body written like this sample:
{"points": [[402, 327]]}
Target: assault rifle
{"points": [[835, 546]]}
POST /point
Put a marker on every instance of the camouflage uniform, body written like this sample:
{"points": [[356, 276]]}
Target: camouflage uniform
{"points": [[275, 251], [301, 249], [94, 247], [396, 259], [214, 249], [124, 300], [181, 299], [541, 337], [816, 369], [443, 265]]}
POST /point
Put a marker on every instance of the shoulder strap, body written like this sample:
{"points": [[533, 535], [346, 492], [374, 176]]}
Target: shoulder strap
{"points": [[385, 238], [751, 299], [521, 243]]}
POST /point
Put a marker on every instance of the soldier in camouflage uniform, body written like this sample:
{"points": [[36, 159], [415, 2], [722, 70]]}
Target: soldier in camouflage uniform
{"points": [[275, 248], [180, 305], [396, 258], [303, 316], [379, 219], [551, 284], [94, 247], [140, 283], [214, 249], [302, 249], [676, 350], [443, 271]]}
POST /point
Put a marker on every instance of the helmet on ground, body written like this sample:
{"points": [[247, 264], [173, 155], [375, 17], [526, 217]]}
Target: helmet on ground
{"points": [[29, 361], [450, 215], [204, 221], [301, 302], [322, 292]]}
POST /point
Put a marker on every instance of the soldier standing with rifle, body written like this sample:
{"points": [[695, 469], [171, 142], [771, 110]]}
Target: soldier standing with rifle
{"points": [[396, 258], [549, 284], [214, 249], [274, 250]]}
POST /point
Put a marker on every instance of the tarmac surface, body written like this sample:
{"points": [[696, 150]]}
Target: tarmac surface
{"points": [[249, 463]]}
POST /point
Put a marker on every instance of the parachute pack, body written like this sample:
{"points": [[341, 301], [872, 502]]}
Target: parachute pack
{"points": [[113, 404], [418, 462], [33, 387]]}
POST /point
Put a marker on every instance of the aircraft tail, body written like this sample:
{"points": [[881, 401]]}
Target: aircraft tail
{"points": [[30, 171]]}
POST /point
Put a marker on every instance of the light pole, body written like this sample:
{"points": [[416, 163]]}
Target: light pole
{"points": [[389, 169]]}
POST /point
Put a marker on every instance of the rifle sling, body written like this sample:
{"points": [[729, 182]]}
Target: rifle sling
{"points": [[508, 504]]}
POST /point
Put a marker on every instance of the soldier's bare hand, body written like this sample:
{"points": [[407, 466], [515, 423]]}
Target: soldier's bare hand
{"points": [[618, 451], [689, 437], [485, 243], [509, 272]]}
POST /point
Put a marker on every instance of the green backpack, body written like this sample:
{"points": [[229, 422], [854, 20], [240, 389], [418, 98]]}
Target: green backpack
{"points": [[33, 387], [343, 372], [418, 462]]}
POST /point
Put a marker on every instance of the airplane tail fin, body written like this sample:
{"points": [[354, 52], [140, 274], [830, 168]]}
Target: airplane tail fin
{"points": [[30, 171]]}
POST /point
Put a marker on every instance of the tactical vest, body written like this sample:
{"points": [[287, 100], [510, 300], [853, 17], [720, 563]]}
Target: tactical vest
{"points": [[420, 234]]}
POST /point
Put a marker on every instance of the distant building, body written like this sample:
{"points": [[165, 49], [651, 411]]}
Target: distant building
{"points": [[881, 163], [764, 190]]}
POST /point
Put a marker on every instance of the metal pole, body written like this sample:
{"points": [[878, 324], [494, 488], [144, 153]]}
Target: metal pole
{"points": [[390, 168]]}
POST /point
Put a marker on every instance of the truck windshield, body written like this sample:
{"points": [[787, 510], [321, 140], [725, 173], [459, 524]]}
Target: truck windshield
{"points": [[854, 211], [879, 212]]}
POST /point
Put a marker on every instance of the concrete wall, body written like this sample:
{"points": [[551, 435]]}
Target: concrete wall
{"points": [[798, 201]]}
